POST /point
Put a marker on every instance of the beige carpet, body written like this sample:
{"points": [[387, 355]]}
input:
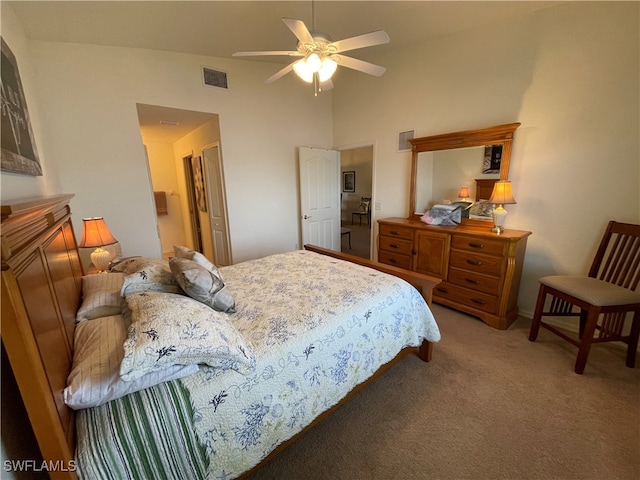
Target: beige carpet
{"points": [[490, 405]]}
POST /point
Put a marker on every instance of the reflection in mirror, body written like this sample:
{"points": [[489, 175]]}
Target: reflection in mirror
{"points": [[441, 174], [442, 164]]}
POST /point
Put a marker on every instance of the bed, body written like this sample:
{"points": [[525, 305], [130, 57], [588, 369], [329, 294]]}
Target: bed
{"points": [[307, 330]]}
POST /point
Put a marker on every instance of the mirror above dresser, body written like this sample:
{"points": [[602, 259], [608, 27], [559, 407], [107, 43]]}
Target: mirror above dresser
{"points": [[442, 164]]}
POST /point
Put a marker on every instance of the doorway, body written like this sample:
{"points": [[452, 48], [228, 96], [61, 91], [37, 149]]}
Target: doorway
{"points": [[177, 141], [356, 167]]}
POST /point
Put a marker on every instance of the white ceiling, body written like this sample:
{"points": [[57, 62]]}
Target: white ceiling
{"points": [[219, 28]]}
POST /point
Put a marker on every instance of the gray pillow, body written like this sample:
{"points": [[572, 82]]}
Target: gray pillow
{"points": [[202, 284]]}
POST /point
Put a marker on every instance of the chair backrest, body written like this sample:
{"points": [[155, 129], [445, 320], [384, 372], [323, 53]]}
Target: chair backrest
{"points": [[365, 204], [617, 260]]}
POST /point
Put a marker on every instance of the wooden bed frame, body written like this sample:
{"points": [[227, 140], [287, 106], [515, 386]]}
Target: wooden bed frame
{"points": [[41, 293]]}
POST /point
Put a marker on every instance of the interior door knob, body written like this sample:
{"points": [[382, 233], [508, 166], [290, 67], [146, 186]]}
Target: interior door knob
{"points": [[306, 216]]}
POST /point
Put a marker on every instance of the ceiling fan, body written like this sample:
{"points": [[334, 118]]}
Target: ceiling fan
{"points": [[321, 56]]}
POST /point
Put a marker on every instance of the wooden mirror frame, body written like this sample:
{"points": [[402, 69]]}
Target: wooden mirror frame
{"points": [[500, 134]]}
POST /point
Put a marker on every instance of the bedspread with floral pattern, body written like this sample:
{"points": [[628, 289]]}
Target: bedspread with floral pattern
{"points": [[319, 326]]}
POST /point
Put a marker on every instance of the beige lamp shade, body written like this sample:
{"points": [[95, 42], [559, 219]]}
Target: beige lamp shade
{"points": [[464, 192], [96, 234], [502, 194]]}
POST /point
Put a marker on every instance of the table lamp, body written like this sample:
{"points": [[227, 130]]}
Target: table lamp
{"points": [[501, 196], [463, 194], [96, 234]]}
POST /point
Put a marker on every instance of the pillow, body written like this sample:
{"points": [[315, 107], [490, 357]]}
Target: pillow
{"points": [[95, 376], [152, 277], [100, 296], [172, 329], [200, 259], [133, 264], [202, 284], [364, 206]]}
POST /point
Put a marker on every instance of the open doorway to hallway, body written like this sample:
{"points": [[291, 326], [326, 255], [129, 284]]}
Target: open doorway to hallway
{"points": [[356, 166], [186, 179]]}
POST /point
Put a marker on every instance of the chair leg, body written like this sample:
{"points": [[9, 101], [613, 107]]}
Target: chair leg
{"points": [[537, 315], [585, 341], [633, 341]]}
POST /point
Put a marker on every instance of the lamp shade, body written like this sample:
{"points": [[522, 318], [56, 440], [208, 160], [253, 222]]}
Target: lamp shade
{"points": [[464, 192], [502, 194], [95, 233]]}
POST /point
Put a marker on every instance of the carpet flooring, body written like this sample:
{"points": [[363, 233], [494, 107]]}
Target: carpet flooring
{"points": [[490, 405]]}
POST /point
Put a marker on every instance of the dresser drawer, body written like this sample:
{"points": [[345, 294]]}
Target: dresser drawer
{"points": [[396, 231], [474, 281], [475, 262], [479, 245], [396, 245], [395, 259], [464, 296]]}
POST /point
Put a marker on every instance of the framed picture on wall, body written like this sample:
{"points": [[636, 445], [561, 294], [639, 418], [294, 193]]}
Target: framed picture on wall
{"points": [[349, 181], [492, 159], [19, 154]]}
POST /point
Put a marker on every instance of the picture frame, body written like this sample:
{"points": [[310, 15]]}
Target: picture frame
{"points": [[18, 146], [198, 182], [349, 181], [492, 158]]}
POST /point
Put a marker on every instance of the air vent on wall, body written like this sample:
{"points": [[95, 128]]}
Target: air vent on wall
{"points": [[403, 140], [214, 78]]}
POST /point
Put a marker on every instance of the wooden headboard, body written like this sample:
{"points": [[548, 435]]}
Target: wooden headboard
{"points": [[41, 289]]}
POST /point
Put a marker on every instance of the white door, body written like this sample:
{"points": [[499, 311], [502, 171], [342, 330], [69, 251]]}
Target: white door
{"points": [[320, 197], [217, 206]]}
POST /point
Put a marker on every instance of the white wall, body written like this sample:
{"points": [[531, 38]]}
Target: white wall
{"points": [[164, 178], [569, 74], [89, 94], [15, 185]]}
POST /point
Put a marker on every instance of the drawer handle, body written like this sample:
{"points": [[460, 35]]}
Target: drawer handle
{"points": [[476, 245], [474, 262], [393, 260], [479, 302], [471, 280], [441, 289], [393, 245], [394, 232]]}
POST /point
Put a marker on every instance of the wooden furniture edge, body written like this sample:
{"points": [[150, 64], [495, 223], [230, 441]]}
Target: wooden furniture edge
{"points": [[423, 283], [28, 227]]}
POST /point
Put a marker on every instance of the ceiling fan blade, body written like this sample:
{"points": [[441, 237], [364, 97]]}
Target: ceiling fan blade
{"points": [[280, 73], [299, 29], [272, 52], [361, 66], [366, 40]]}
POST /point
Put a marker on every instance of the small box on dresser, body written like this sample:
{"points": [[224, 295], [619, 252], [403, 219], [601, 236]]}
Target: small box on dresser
{"points": [[480, 270]]}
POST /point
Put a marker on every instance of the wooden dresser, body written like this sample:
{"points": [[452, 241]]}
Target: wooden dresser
{"points": [[480, 270]]}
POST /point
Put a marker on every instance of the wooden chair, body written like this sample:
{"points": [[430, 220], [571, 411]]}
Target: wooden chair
{"points": [[363, 211], [604, 297]]}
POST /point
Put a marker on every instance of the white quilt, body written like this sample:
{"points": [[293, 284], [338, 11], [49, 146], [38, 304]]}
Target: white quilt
{"points": [[319, 327]]}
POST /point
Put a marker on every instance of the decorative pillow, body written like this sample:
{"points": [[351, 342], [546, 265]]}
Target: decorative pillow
{"points": [[202, 284], [172, 329], [100, 296], [133, 264], [200, 259], [153, 277], [364, 206], [95, 376]]}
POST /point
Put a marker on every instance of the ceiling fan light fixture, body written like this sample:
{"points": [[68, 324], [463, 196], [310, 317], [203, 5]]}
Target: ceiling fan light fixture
{"points": [[303, 71], [328, 68]]}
